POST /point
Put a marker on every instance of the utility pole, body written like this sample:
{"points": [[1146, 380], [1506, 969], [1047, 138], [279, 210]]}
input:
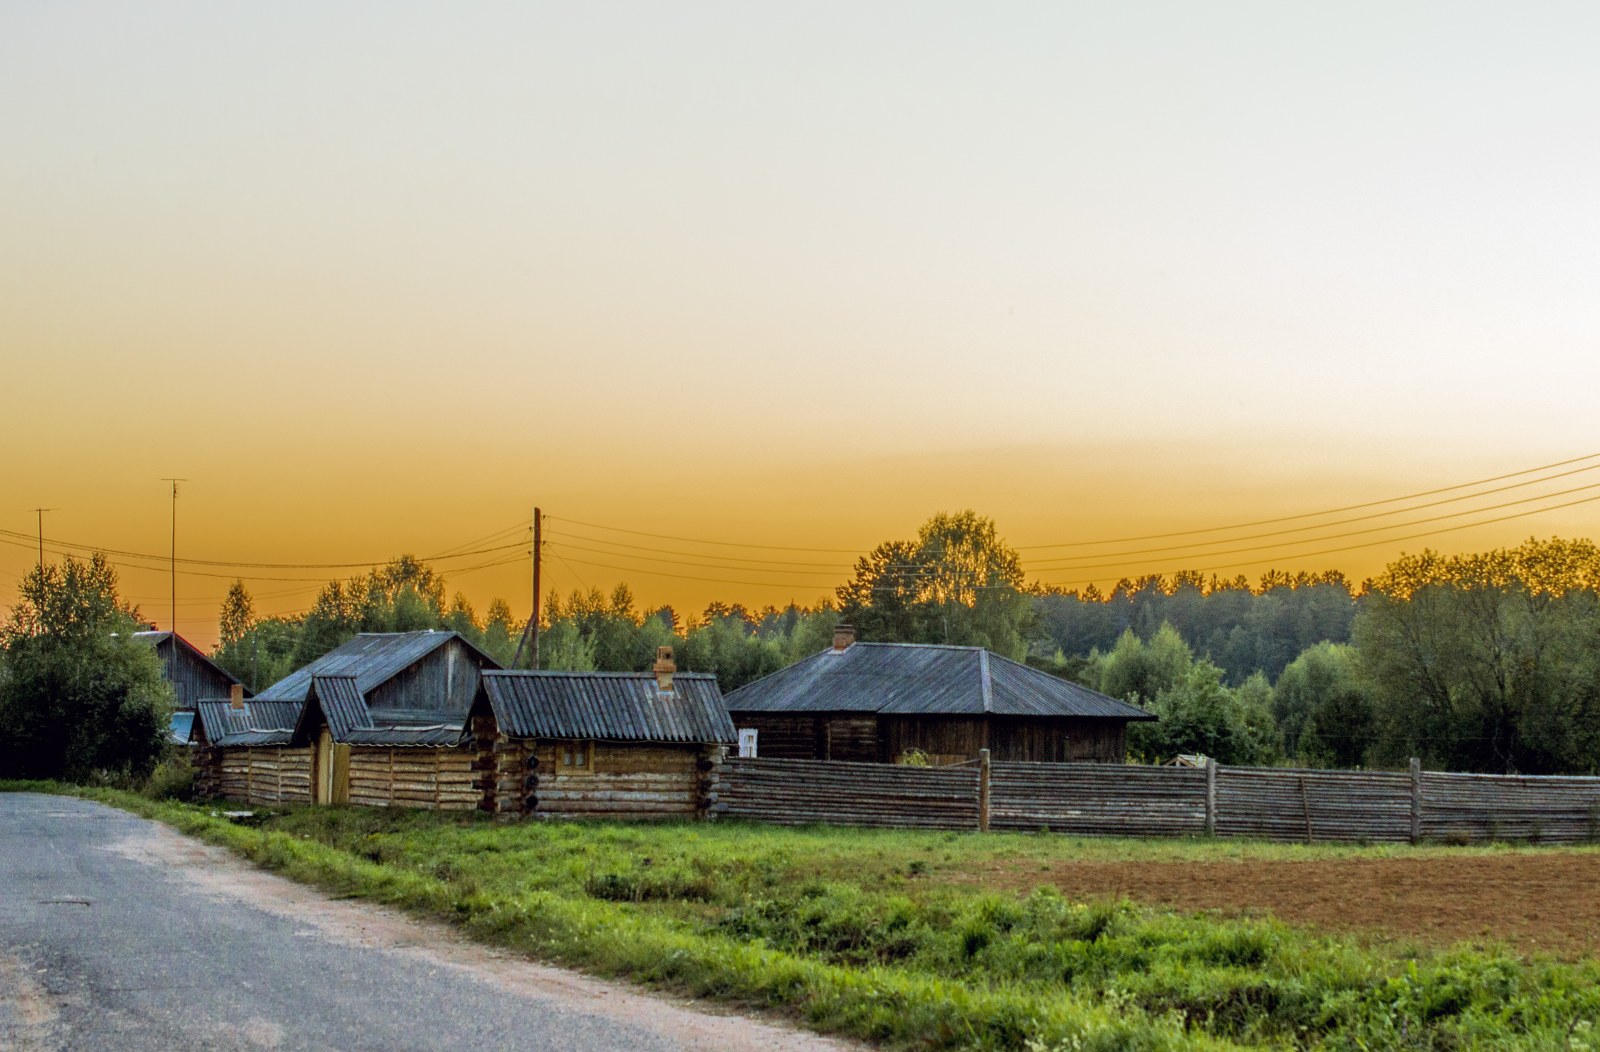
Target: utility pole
{"points": [[173, 627], [531, 633], [40, 512]]}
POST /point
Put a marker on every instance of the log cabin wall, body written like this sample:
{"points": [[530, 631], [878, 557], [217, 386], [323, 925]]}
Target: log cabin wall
{"points": [[439, 779], [264, 774], [207, 768], [627, 781], [849, 737], [1017, 739], [784, 737], [942, 739]]}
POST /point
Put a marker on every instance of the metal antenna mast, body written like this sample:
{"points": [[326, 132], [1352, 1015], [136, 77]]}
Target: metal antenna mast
{"points": [[174, 626], [40, 512]]}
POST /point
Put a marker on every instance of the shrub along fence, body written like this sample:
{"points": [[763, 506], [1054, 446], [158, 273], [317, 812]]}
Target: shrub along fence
{"points": [[1267, 803]]}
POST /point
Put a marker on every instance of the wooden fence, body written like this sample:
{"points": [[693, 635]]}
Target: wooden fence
{"points": [[796, 792], [1265, 803]]}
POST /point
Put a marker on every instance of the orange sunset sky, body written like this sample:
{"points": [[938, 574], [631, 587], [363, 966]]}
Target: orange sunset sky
{"points": [[378, 278]]}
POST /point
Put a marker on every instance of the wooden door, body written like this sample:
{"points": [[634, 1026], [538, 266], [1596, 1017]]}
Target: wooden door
{"points": [[323, 793], [333, 770]]}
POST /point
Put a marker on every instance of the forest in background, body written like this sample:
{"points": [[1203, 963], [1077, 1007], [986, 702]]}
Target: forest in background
{"points": [[1486, 662]]}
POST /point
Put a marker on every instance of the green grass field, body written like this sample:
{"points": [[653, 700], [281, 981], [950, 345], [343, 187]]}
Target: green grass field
{"points": [[885, 935]]}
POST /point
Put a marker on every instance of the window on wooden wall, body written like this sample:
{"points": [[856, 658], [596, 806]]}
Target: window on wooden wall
{"points": [[576, 757]]}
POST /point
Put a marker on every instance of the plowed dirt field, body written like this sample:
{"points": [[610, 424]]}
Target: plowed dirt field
{"points": [[1537, 902]]}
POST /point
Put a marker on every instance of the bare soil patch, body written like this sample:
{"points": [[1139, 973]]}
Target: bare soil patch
{"points": [[1537, 902]]}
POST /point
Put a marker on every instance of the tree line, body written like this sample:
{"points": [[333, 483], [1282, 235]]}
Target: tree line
{"points": [[1485, 662]]}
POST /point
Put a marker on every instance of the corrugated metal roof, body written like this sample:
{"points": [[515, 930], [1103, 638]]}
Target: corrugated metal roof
{"points": [[914, 679], [610, 706], [258, 723], [372, 658], [351, 722], [342, 704]]}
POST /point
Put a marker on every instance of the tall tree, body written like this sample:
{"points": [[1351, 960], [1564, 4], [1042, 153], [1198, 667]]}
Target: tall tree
{"points": [[238, 616], [79, 694]]}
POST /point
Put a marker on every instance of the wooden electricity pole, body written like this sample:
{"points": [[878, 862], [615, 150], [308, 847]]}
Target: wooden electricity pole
{"points": [[40, 512], [530, 635]]}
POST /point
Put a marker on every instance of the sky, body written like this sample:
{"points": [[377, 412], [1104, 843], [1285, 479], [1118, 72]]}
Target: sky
{"points": [[380, 278]]}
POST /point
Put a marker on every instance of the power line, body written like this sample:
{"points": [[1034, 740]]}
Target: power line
{"points": [[693, 540], [674, 551], [1310, 514], [686, 562], [123, 553], [1317, 540], [687, 577], [1356, 547]]}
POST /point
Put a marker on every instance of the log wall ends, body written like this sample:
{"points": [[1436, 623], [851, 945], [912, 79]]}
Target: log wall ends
{"points": [[268, 774], [1096, 799], [437, 779], [1460, 808], [799, 792], [623, 781]]}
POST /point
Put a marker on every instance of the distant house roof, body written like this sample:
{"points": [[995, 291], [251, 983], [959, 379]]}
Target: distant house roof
{"points": [[257, 723], [608, 706], [915, 679], [371, 658], [156, 639]]}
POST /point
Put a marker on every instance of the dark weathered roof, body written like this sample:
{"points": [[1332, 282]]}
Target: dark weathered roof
{"points": [[913, 679], [342, 704], [373, 658], [352, 722], [609, 706], [157, 638], [258, 723]]}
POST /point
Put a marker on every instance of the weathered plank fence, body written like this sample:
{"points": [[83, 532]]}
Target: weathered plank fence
{"points": [[1266, 803], [797, 792]]}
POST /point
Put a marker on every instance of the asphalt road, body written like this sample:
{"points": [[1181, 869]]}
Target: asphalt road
{"points": [[117, 933]]}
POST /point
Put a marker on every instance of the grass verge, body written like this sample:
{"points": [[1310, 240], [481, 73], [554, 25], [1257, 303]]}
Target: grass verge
{"points": [[856, 933]]}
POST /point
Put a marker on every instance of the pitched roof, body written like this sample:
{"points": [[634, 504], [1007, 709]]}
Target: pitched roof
{"points": [[922, 679], [372, 658], [608, 706], [257, 723], [157, 638]]}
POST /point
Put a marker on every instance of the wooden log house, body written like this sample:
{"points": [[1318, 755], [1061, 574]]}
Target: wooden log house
{"points": [[603, 744], [381, 720], [885, 702]]}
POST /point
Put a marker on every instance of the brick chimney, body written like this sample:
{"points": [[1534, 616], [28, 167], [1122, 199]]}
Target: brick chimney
{"points": [[664, 668], [236, 697], [843, 636]]}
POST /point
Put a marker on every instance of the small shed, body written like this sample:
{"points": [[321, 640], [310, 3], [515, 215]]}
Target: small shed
{"points": [[883, 701], [604, 744], [244, 752], [193, 676], [381, 720]]}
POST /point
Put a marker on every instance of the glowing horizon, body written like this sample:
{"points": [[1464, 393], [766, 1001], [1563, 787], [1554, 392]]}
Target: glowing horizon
{"points": [[379, 281]]}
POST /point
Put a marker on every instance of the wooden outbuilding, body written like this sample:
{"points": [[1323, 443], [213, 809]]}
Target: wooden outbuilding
{"points": [[887, 702], [193, 675], [603, 744], [381, 720]]}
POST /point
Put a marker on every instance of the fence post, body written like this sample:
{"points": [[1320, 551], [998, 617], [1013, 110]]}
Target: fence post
{"points": [[1416, 800], [1211, 796], [983, 790]]}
